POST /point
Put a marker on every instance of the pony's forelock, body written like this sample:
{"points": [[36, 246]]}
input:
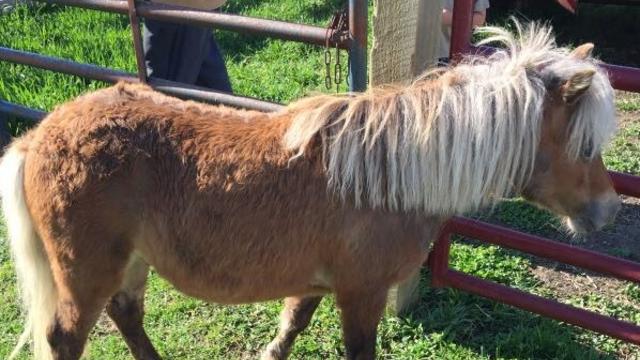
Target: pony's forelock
{"points": [[456, 139], [593, 121]]}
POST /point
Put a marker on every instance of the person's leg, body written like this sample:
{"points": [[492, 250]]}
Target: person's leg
{"points": [[213, 73], [158, 43], [184, 53], [5, 135], [190, 50]]}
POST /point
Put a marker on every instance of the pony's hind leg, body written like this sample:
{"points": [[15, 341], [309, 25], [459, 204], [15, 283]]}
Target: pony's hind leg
{"points": [[83, 289], [295, 317], [68, 333], [126, 309]]}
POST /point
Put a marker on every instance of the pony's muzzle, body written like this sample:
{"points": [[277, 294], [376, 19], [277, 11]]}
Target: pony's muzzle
{"points": [[596, 215]]}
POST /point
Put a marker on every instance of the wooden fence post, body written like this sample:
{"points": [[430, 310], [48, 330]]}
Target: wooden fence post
{"points": [[406, 39]]}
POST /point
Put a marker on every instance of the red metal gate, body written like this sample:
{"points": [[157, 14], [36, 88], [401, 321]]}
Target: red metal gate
{"points": [[623, 78]]}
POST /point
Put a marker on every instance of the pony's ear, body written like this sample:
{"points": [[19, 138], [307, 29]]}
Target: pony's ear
{"points": [[583, 51], [576, 85]]}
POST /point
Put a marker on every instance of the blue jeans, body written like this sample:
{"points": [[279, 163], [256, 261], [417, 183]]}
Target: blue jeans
{"points": [[184, 53], [5, 136]]}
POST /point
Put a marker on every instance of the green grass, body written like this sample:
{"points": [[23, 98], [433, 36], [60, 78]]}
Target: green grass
{"points": [[446, 324], [629, 102], [624, 151]]}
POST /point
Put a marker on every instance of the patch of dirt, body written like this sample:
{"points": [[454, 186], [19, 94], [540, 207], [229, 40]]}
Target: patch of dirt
{"points": [[622, 239], [104, 325], [625, 118], [624, 97], [563, 283]]}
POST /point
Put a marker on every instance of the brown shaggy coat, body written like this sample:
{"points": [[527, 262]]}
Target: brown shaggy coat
{"points": [[168, 169]]}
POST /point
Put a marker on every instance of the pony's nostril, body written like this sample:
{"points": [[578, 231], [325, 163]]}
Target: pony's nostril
{"points": [[602, 213], [615, 207], [598, 214]]}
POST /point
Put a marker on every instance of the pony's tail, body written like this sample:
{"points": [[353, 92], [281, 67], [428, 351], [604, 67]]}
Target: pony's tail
{"points": [[37, 289]]}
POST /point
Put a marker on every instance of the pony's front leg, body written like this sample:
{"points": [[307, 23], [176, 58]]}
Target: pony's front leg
{"points": [[361, 312], [295, 317]]}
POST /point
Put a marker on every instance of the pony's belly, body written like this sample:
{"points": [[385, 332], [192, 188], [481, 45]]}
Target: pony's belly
{"points": [[249, 295], [228, 270], [244, 285]]}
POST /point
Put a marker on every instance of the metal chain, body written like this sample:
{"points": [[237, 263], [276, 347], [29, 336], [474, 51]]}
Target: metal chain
{"points": [[327, 64], [337, 71], [337, 30], [348, 69], [327, 53]]}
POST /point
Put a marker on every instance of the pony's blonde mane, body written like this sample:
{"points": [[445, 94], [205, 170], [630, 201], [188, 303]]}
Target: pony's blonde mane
{"points": [[456, 139]]}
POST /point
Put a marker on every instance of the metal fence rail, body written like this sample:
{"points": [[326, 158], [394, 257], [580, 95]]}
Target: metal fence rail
{"points": [[20, 111], [443, 276], [623, 78]]}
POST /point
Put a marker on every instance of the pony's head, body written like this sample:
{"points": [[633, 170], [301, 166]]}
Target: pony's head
{"points": [[569, 177], [576, 119]]}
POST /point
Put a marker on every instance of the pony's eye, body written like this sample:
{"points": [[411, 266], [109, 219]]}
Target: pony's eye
{"points": [[587, 151]]}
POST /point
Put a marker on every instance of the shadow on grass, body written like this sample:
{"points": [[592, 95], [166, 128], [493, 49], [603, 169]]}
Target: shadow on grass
{"points": [[238, 45], [324, 10], [494, 329], [240, 6], [315, 10]]}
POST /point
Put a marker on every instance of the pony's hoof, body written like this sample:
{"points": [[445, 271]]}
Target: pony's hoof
{"points": [[273, 352]]}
